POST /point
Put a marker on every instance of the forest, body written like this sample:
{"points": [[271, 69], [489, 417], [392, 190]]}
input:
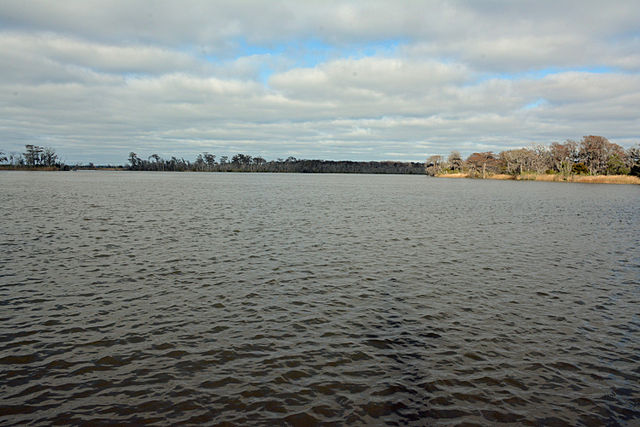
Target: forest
{"points": [[207, 162], [45, 158]]}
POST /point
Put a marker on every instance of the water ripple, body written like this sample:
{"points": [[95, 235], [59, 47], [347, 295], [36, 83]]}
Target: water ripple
{"points": [[240, 299]]}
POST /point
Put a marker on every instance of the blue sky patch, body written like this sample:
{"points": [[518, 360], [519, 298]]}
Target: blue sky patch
{"points": [[537, 103], [544, 72]]}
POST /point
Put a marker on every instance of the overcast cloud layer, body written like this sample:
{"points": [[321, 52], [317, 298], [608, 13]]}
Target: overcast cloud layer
{"points": [[360, 80]]}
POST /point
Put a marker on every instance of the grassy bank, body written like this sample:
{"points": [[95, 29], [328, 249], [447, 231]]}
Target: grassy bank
{"points": [[589, 179]]}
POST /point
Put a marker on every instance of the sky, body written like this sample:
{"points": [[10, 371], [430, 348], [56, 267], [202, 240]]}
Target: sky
{"points": [[341, 80]]}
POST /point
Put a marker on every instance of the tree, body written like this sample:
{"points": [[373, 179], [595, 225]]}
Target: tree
{"points": [[563, 156], [540, 158], [199, 164], [482, 163], [241, 159], [616, 166], [158, 162], [595, 152], [49, 157], [516, 162], [3, 157], [633, 160], [16, 159], [434, 165], [210, 160], [455, 161], [633, 156], [135, 161], [32, 155]]}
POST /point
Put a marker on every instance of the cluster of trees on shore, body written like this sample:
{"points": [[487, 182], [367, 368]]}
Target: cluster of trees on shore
{"points": [[592, 155], [34, 156], [207, 162]]}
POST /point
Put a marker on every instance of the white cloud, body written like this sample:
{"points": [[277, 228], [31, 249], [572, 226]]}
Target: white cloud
{"points": [[69, 53], [360, 80]]}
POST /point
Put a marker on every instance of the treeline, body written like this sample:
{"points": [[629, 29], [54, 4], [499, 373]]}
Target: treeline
{"points": [[592, 155], [43, 158], [207, 162], [34, 156]]}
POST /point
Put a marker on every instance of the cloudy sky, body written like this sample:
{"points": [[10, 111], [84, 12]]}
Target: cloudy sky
{"points": [[360, 80]]}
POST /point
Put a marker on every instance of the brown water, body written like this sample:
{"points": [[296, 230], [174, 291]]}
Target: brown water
{"points": [[348, 299]]}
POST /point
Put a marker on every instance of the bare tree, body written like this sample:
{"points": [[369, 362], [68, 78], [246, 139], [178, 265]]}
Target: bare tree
{"points": [[455, 161], [434, 165], [633, 156], [516, 162], [199, 163], [541, 158]]}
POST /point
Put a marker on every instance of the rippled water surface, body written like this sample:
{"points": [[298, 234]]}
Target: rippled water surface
{"points": [[303, 299]]}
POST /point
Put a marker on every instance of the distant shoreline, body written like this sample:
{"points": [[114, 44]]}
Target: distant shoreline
{"points": [[60, 169], [230, 170], [582, 179]]}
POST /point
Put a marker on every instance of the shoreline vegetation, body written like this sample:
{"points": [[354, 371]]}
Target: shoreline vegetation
{"points": [[593, 159], [582, 179]]}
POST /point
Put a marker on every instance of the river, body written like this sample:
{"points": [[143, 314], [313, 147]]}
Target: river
{"points": [[301, 299]]}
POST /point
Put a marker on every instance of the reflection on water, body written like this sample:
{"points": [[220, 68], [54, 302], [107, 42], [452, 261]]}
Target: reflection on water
{"points": [[352, 299]]}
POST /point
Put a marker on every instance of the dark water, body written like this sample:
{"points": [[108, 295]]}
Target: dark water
{"points": [[303, 299]]}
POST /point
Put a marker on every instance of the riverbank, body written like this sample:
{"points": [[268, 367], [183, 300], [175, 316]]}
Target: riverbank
{"points": [[27, 168], [63, 168], [586, 179]]}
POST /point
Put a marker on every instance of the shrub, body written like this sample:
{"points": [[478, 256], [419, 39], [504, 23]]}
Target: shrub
{"points": [[580, 169]]}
